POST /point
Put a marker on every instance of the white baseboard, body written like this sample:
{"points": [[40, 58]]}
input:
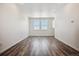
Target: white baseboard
{"points": [[67, 44], [1, 51]]}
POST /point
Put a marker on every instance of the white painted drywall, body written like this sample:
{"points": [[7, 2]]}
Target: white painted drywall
{"points": [[67, 26], [13, 26]]}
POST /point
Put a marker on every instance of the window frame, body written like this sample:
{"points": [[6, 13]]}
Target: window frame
{"points": [[40, 23]]}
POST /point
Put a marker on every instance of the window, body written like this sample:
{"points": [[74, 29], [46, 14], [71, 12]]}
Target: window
{"points": [[36, 24], [40, 24], [44, 24]]}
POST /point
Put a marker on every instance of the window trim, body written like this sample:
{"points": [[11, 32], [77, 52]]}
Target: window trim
{"points": [[40, 24]]}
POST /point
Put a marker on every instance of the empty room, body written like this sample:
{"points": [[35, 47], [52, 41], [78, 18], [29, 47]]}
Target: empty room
{"points": [[39, 29]]}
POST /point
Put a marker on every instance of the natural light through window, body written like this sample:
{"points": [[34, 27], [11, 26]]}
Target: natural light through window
{"points": [[40, 24], [44, 24]]}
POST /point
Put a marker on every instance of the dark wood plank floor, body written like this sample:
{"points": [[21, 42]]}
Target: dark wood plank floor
{"points": [[40, 46]]}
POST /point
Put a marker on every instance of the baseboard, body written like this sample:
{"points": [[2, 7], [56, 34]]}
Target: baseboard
{"points": [[67, 44], [12, 45]]}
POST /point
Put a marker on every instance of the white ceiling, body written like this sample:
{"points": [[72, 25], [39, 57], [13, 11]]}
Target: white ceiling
{"points": [[31, 8]]}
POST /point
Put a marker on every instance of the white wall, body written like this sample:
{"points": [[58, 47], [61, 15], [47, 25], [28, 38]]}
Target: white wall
{"points": [[13, 26], [67, 28]]}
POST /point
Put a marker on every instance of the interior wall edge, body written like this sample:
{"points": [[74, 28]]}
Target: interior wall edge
{"points": [[66, 43], [13, 44]]}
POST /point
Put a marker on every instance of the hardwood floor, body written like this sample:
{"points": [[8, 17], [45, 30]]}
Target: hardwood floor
{"points": [[40, 46]]}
